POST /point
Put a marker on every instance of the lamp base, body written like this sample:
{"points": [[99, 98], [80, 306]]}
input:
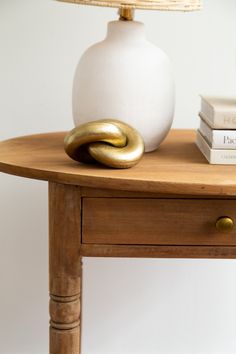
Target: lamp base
{"points": [[125, 77]]}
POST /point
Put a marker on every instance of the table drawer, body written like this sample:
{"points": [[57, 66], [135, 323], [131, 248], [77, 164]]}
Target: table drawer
{"points": [[156, 221]]}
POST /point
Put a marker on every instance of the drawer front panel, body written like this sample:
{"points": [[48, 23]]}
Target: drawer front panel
{"points": [[156, 221]]}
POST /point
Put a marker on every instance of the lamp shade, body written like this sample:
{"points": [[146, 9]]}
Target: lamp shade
{"points": [[171, 5]]}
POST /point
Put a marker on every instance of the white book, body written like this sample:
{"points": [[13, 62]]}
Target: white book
{"points": [[218, 139], [215, 156], [219, 113]]}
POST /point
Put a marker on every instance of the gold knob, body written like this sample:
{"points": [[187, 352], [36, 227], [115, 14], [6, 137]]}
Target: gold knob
{"points": [[224, 224]]}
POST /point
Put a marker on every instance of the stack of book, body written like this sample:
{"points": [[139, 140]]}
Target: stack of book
{"points": [[216, 136]]}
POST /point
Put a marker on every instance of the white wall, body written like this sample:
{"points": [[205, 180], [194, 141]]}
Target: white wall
{"points": [[130, 306]]}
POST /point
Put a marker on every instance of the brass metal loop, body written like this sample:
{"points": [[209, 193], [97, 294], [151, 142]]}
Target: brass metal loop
{"points": [[108, 141]]}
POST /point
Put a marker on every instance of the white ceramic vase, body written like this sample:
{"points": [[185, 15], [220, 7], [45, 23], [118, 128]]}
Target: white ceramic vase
{"points": [[126, 77]]}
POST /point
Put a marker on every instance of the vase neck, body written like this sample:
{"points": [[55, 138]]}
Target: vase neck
{"points": [[126, 31]]}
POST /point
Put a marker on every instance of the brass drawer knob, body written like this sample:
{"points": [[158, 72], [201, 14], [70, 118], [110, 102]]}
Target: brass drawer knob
{"points": [[224, 224]]}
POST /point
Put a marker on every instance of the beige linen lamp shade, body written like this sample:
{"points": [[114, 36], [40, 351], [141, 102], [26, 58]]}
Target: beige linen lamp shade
{"points": [[171, 5]]}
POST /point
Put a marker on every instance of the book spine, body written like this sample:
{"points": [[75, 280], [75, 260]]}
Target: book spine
{"points": [[218, 139], [224, 139], [218, 118], [215, 156], [223, 157], [225, 120]]}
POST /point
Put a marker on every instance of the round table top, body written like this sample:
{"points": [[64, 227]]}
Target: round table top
{"points": [[177, 167]]}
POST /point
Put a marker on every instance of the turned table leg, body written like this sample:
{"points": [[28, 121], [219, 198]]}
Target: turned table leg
{"points": [[65, 269]]}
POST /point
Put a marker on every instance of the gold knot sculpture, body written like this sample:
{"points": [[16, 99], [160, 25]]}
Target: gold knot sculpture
{"points": [[107, 141]]}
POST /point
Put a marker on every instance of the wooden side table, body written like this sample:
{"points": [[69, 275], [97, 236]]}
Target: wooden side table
{"points": [[172, 204]]}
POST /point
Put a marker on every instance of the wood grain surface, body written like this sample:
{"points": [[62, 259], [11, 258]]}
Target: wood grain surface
{"points": [[156, 221], [65, 269], [161, 251], [177, 167]]}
